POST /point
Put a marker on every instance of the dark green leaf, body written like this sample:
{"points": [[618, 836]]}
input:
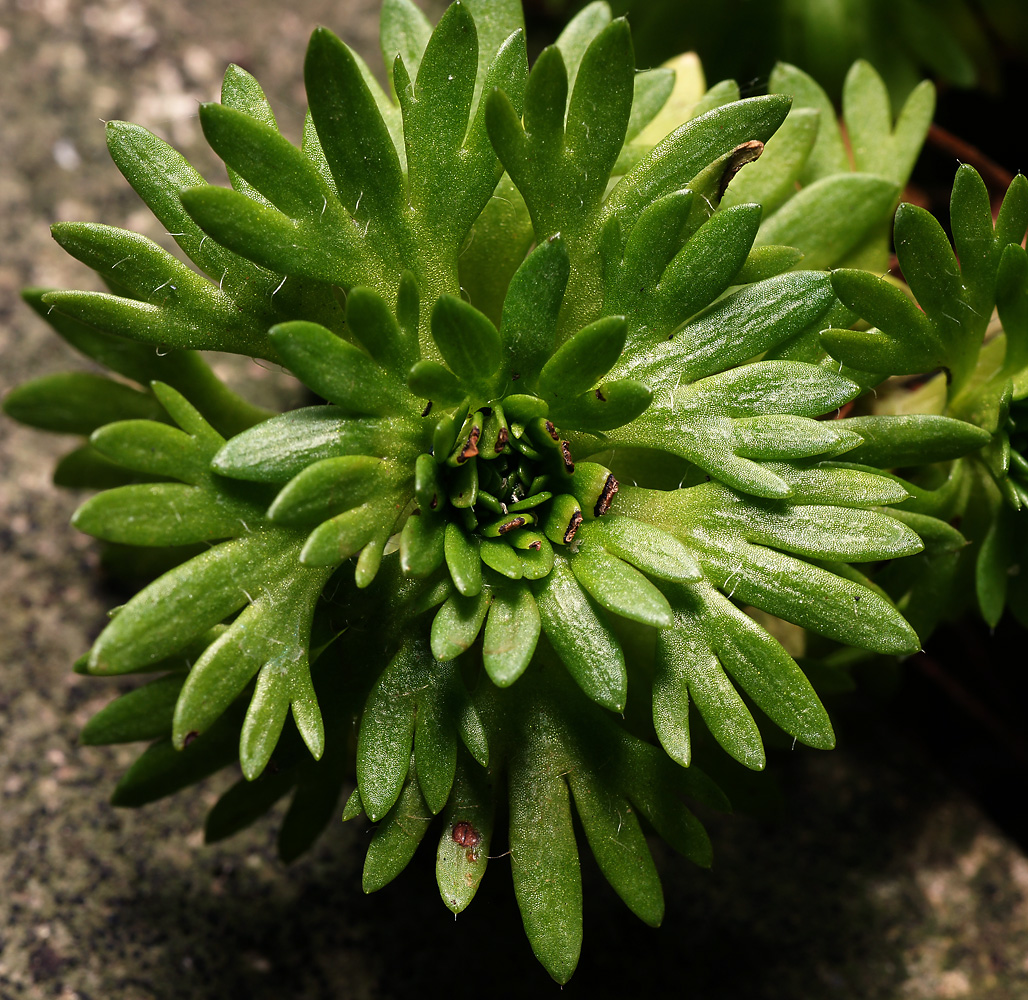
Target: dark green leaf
{"points": [[331, 253], [733, 330], [154, 449], [581, 637], [240, 91], [765, 671], [85, 468], [599, 109], [386, 733], [688, 669], [327, 488], [77, 403], [609, 405], [912, 439], [462, 560], [457, 624], [161, 770], [643, 545], [397, 837], [617, 841], [435, 737], [700, 272], [346, 534], [463, 851], [433, 381], [582, 360], [371, 321], [674, 162], [244, 803], [830, 217], [270, 636], [501, 557], [354, 137], [421, 544], [186, 602], [511, 633], [280, 448], [531, 308], [771, 181], [619, 587], [142, 714], [807, 595], [765, 262], [544, 865], [765, 387]]}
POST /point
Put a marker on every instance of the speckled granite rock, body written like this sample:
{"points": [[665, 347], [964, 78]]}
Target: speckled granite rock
{"points": [[879, 882]]}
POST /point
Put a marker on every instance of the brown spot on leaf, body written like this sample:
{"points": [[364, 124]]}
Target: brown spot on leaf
{"points": [[576, 520], [470, 449], [745, 152], [600, 396], [610, 487], [517, 522], [466, 835], [565, 453], [427, 410], [501, 440]]}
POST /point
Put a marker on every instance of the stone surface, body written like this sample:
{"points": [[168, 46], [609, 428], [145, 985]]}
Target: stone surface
{"points": [[878, 880]]}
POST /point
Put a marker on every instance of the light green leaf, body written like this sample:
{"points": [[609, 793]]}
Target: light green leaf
{"points": [[831, 216], [511, 633], [457, 624], [619, 587]]}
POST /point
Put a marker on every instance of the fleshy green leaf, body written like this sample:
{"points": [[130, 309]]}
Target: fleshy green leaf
{"points": [[457, 624], [397, 837], [617, 840], [619, 587], [511, 633], [184, 603], [582, 639], [142, 714], [340, 372], [76, 403]]}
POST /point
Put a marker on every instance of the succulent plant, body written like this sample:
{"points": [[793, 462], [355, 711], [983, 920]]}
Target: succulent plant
{"points": [[566, 463], [956, 337]]}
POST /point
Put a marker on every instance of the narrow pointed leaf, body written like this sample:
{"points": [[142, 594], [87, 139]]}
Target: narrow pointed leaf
{"points": [[583, 359], [616, 839], [582, 639], [327, 488], [340, 372]]}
